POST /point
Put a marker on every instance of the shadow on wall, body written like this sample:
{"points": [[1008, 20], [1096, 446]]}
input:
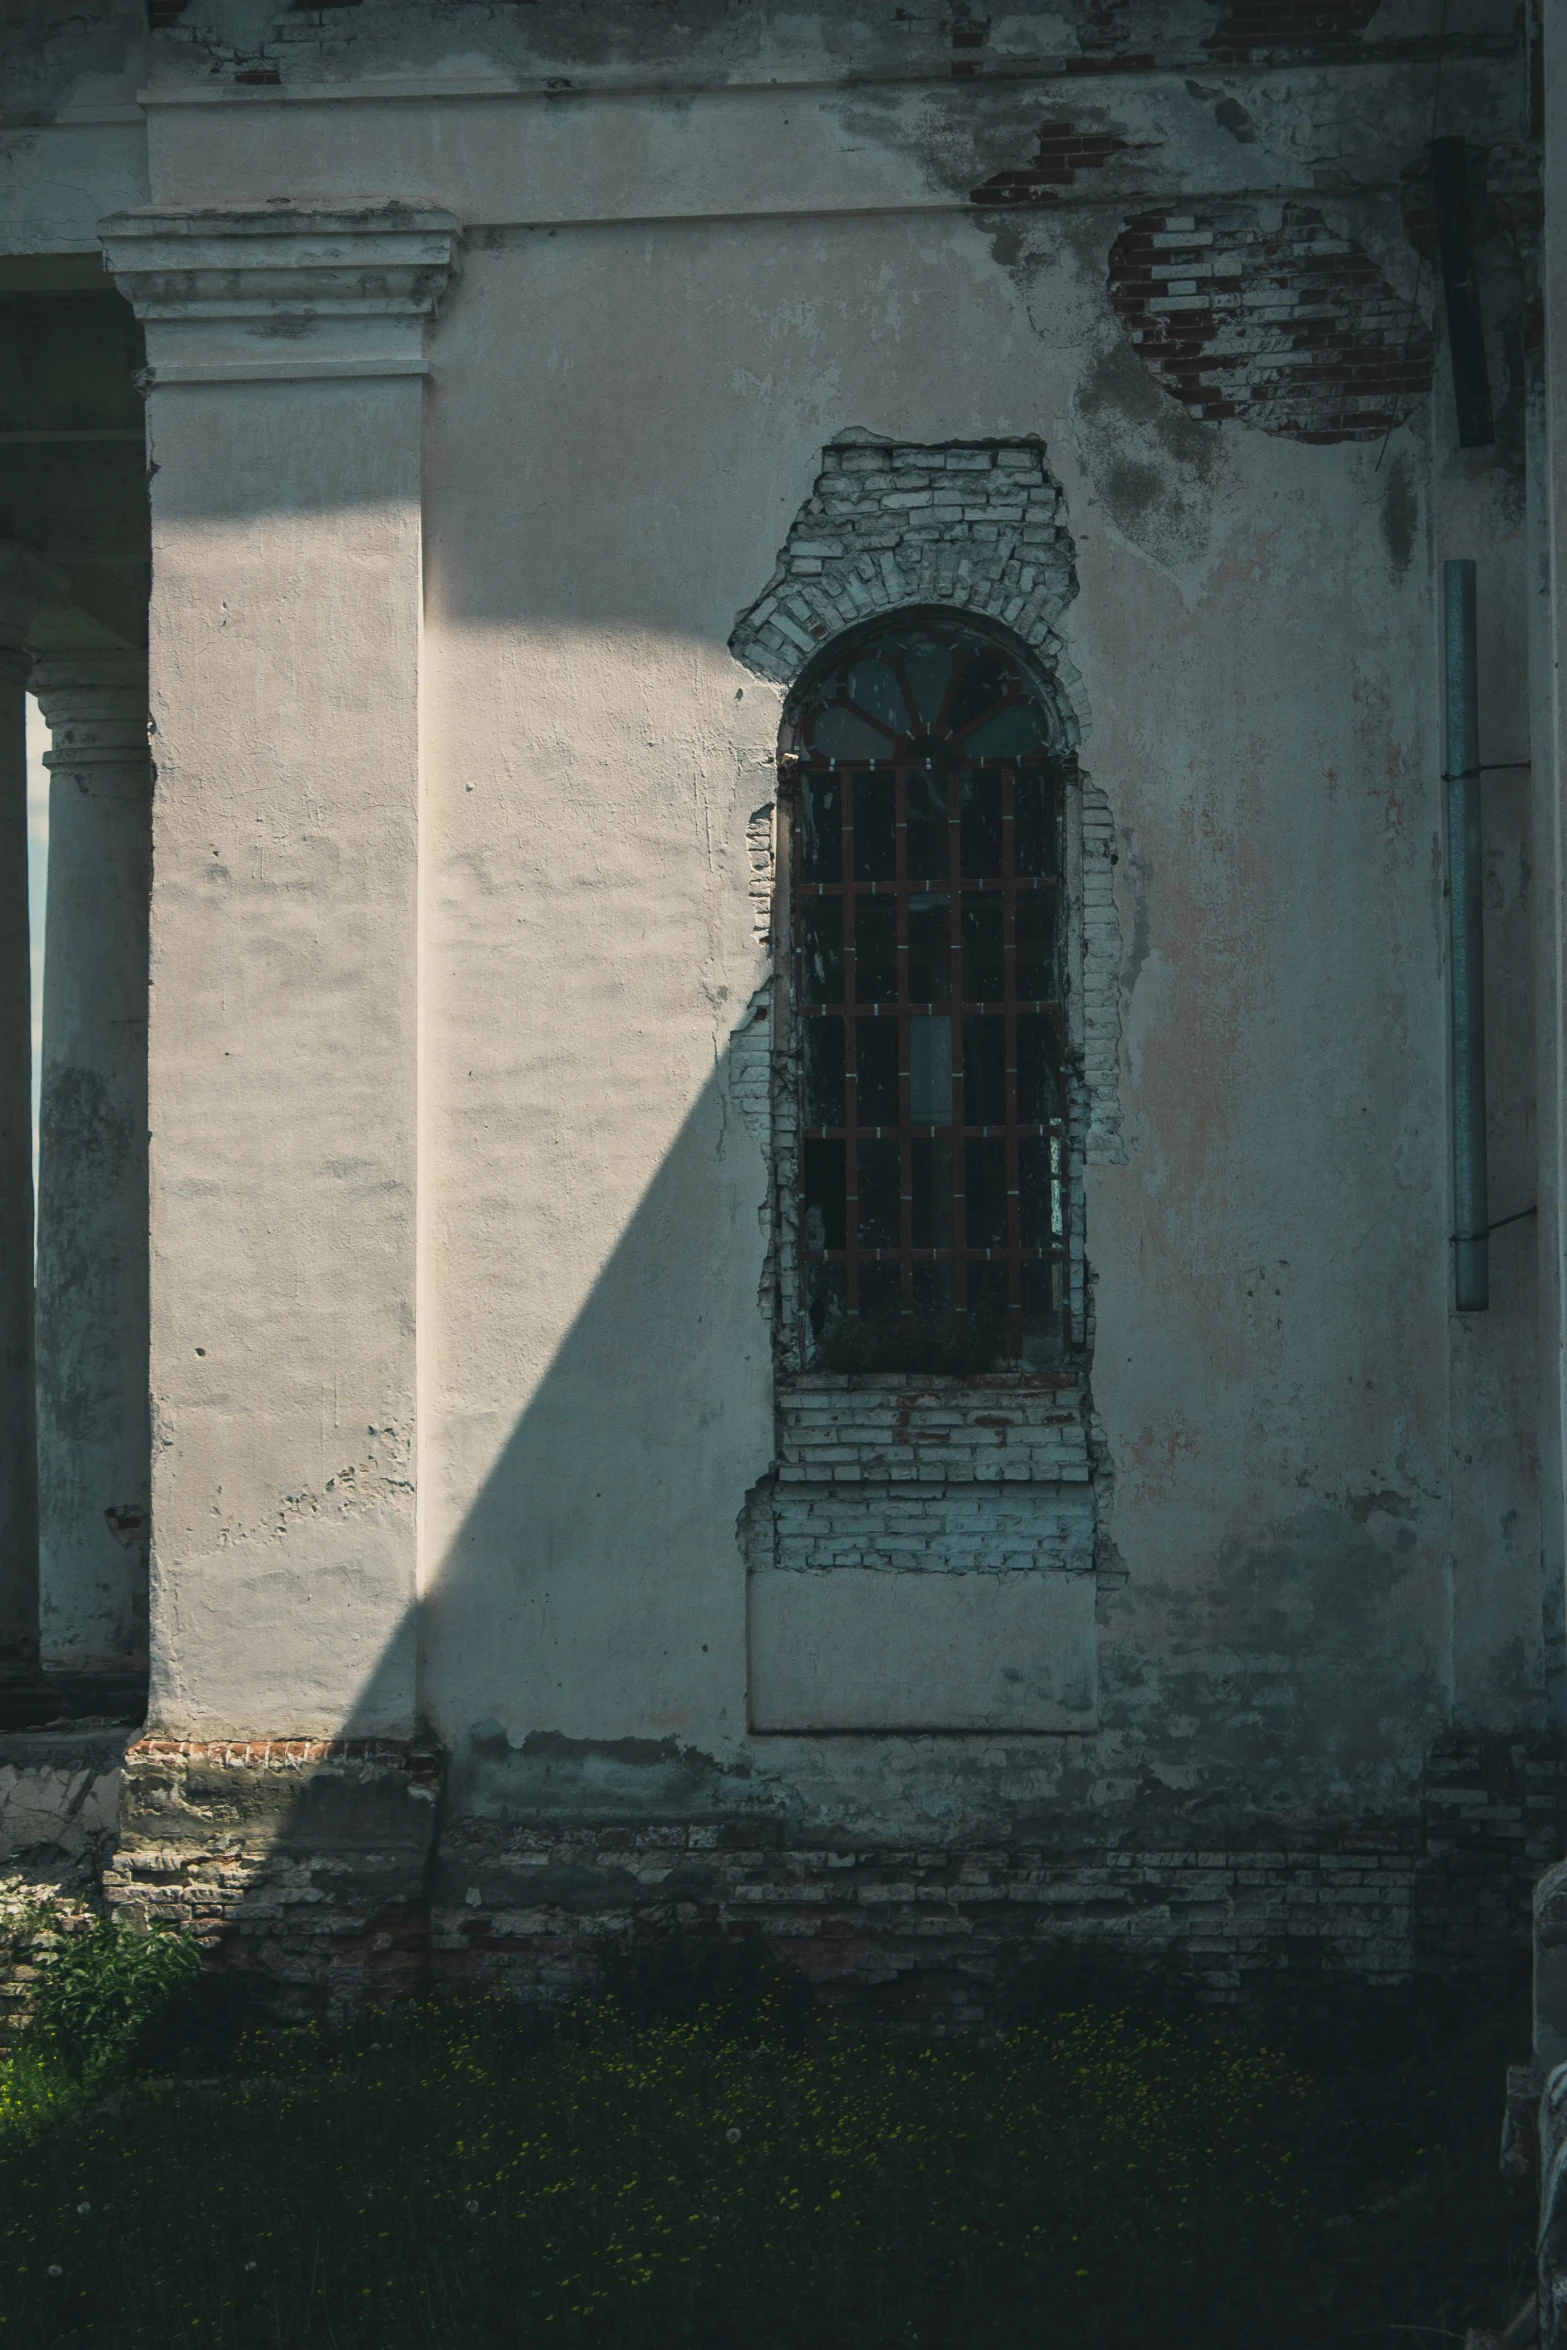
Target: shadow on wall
{"points": [[557, 1805], [588, 1613], [595, 1585]]}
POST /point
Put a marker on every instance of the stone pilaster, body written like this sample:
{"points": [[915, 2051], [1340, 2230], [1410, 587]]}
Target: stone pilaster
{"points": [[285, 358], [93, 1434]]}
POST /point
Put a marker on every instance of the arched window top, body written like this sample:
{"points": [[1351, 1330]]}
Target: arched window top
{"points": [[929, 686], [929, 1048]]}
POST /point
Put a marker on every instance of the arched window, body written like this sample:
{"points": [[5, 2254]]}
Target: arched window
{"points": [[926, 914]]}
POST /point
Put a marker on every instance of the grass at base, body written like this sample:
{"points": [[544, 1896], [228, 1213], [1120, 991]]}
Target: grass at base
{"points": [[457, 2176]]}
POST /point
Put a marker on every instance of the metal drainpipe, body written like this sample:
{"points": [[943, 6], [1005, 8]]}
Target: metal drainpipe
{"points": [[1471, 1209]]}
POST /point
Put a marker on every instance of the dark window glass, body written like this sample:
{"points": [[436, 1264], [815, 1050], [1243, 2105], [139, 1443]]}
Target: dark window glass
{"points": [[984, 1069], [988, 1290], [928, 824], [1012, 733], [985, 1190], [930, 1187], [824, 1067], [1038, 1094], [874, 688], [879, 1292], [821, 951], [1036, 946], [930, 1070], [930, 950], [824, 1166], [875, 950], [878, 1053], [981, 829], [844, 734], [928, 667], [821, 828], [1034, 839], [983, 962], [1034, 1193], [987, 680], [880, 1212], [932, 1295], [928, 1243], [826, 1297], [1042, 1302], [875, 832]]}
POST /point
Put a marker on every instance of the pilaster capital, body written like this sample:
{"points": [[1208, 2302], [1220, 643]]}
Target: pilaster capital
{"points": [[96, 708], [27, 582], [280, 290]]}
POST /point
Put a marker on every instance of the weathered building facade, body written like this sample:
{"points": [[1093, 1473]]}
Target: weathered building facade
{"points": [[795, 1252]]}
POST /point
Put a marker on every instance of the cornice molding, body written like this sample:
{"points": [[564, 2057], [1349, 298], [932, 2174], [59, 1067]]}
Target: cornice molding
{"points": [[264, 264]]}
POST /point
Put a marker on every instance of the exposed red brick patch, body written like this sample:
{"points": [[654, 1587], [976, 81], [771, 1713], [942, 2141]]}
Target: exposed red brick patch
{"points": [[1063, 152], [283, 1754], [1290, 327]]}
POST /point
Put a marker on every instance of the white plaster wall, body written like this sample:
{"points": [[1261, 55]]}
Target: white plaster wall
{"points": [[632, 387], [1272, 1331], [285, 664], [580, 599], [57, 180]]}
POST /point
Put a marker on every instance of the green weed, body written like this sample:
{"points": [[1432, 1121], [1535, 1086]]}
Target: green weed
{"points": [[445, 2176], [104, 1989]]}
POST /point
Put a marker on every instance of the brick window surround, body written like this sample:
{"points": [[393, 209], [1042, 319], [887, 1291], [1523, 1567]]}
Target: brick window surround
{"points": [[924, 1551]]}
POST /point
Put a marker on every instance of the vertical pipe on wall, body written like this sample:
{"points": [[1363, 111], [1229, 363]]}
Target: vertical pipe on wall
{"points": [[1471, 1209]]}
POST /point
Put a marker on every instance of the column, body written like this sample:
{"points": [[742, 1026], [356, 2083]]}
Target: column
{"points": [[286, 366], [25, 581], [93, 1434]]}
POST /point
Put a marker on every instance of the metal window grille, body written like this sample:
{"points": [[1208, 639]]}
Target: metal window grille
{"points": [[927, 919]]}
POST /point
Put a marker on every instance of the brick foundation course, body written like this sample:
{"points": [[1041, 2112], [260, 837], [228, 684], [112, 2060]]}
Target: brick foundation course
{"points": [[327, 1871], [306, 1860]]}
